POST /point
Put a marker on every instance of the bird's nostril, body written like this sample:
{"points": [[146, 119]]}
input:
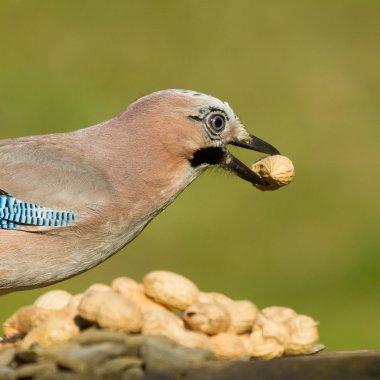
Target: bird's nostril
{"points": [[210, 156]]}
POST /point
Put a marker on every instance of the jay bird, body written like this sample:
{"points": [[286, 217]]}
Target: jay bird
{"points": [[68, 201]]}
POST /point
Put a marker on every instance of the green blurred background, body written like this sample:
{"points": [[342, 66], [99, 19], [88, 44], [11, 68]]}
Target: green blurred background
{"points": [[303, 75]]}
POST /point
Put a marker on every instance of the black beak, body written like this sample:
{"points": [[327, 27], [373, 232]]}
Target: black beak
{"points": [[257, 145], [234, 165]]}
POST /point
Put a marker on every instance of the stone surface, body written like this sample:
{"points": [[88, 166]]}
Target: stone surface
{"points": [[163, 356], [103, 355], [35, 370], [54, 351], [117, 366], [87, 358]]}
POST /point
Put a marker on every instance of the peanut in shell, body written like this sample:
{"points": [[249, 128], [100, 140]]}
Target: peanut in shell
{"points": [[170, 289], [276, 170]]}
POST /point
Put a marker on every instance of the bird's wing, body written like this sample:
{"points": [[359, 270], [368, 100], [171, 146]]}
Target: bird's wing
{"points": [[43, 178], [16, 214]]}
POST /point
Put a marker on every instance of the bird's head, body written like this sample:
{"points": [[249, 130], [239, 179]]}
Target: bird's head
{"points": [[198, 128], [195, 129]]}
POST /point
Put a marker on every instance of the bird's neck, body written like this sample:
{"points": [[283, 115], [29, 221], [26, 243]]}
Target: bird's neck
{"points": [[145, 176]]}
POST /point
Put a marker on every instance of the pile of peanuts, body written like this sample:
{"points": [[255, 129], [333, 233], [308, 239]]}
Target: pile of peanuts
{"points": [[169, 304]]}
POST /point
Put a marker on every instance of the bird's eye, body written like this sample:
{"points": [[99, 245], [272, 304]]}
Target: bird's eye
{"points": [[217, 122]]}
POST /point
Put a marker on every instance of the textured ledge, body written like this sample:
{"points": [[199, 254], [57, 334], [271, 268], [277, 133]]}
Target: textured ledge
{"points": [[344, 365], [99, 354]]}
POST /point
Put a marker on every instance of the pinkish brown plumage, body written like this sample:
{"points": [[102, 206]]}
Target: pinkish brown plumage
{"points": [[115, 177]]}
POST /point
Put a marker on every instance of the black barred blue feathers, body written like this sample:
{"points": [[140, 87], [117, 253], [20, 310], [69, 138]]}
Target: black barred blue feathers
{"points": [[15, 213]]}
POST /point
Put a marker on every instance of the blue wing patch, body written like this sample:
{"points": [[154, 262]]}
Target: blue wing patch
{"points": [[15, 213]]}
